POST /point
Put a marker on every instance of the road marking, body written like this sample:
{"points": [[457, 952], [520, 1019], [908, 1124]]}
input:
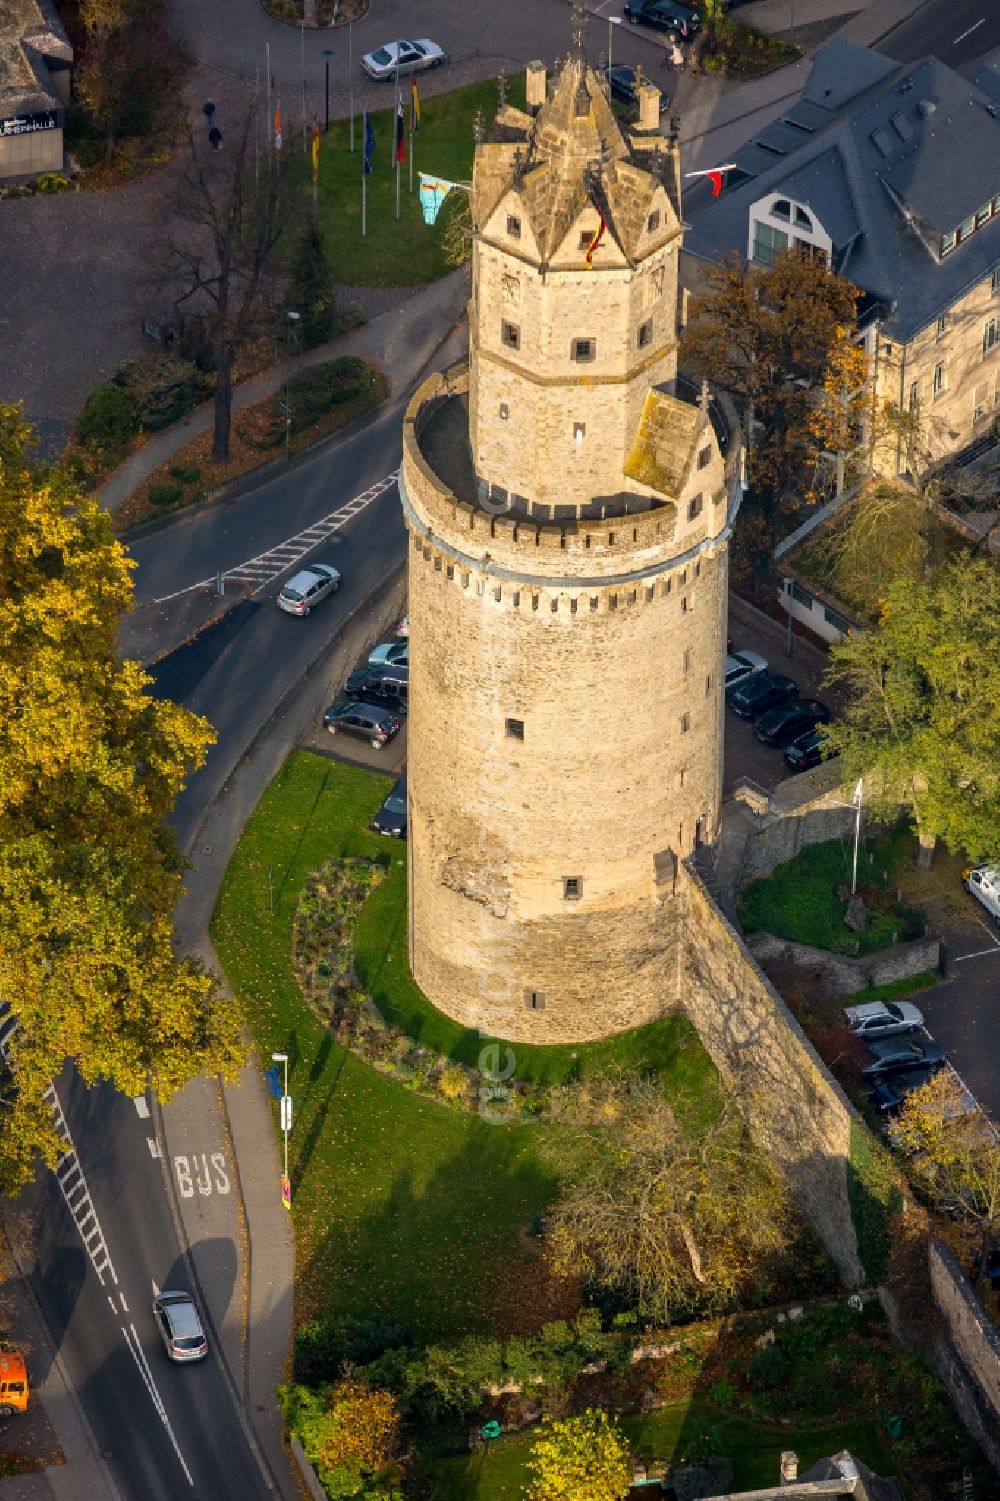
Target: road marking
{"points": [[979, 954], [193, 1173], [142, 1365], [73, 1185], [141, 1107], [969, 32], [153, 1145], [256, 573], [122, 1296]]}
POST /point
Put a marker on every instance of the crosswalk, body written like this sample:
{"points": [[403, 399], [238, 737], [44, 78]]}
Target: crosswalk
{"points": [[256, 573]]}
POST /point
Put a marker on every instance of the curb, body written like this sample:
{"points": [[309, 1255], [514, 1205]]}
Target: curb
{"points": [[299, 26]]}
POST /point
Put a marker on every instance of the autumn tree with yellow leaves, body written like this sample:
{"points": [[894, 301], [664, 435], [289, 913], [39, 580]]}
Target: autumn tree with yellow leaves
{"points": [[90, 767], [584, 1458]]}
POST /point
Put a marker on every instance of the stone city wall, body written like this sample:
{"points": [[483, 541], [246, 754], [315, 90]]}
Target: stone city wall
{"points": [[968, 1358], [795, 1108], [802, 810], [846, 975]]}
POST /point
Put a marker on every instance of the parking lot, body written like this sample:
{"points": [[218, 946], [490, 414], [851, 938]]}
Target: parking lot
{"points": [[963, 1012]]}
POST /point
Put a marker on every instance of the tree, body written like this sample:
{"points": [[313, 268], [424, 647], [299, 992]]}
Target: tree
{"points": [[874, 539], [131, 73], [365, 1429], [312, 285], [656, 1212], [90, 766], [767, 334], [922, 716], [584, 1458], [223, 228], [953, 1151]]}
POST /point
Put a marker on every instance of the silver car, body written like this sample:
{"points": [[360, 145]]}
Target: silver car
{"points": [[307, 588], [180, 1326], [403, 57]]}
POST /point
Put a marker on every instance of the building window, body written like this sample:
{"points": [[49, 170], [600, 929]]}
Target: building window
{"points": [[983, 214], [579, 431], [571, 888], [803, 219], [840, 622], [948, 242], [942, 324], [514, 226], [687, 659], [653, 222], [995, 283], [510, 335], [967, 227], [515, 729], [645, 334], [991, 335], [705, 456], [802, 596], [682, 776], [534, 1000], [504, 411], [938, 378], [781, 209], [694, 507], [584, 350], [587, 238], [685, 723], [914, 395], [768, 243], [708, 684]]}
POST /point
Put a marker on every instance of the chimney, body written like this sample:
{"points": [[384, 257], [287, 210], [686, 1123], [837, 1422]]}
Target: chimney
{"points": [[649, 106], [789, 1466], [534, 86]]}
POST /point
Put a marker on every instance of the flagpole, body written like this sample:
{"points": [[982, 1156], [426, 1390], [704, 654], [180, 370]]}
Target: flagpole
{"points": [[350, 74], [270, 116], [411, 140], [256, 131], [303, 88], [395, 134], [364, 175]]}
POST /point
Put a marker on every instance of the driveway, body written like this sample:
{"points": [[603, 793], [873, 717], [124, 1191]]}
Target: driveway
{"points": [[963, 1012]]}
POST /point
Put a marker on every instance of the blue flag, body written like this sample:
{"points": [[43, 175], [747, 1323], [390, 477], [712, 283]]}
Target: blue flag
{"points": [[369, 143], [433, 192]]}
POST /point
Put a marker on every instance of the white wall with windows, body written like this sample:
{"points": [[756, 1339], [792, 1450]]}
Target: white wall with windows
{"points": [[778, 224]]}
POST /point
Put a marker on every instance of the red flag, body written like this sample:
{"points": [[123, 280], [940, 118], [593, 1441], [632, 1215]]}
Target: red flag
{"points": [[597, 238], [400, 134], [716, 175]]}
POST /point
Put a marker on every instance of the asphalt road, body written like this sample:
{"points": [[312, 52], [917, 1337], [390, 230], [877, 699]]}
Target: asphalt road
{"points": [[959, 32], [169, 1431]]}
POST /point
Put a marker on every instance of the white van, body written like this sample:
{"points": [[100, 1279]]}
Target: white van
{"points": [[984, 883]]}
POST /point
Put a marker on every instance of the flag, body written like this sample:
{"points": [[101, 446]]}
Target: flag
{"points": [[414, 105], [433, 192], [277, 127], [369, 151], [400, 134], [599, 236], [315, 151], [716, 178]]}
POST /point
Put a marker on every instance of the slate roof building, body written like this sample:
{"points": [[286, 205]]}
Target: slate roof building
{"points": [[35, 64], [892, 172]]}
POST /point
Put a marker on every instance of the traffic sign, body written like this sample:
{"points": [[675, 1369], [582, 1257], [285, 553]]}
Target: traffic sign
{"points": [[286, 1191], [491, 1429], [286, 1112], [271, 1074]]}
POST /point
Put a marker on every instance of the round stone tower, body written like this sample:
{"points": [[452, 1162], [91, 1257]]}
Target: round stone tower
{"points": [[569, 515]]}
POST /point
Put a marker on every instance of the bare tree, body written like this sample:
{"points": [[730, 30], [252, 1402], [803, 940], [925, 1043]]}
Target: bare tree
{"points": [[225, 221]]}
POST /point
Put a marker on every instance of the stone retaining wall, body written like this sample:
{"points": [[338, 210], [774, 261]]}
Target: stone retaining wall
{"points": [[846, 975], [968, 1358]]}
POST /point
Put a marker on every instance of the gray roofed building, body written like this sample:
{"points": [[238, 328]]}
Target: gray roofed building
{"points": [[35, 63]]}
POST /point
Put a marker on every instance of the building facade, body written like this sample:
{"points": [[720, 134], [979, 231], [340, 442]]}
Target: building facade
{"points": [[569, 517], [892, 173], [35, 65]]}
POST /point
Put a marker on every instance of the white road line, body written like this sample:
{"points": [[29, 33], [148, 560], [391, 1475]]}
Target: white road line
{"points": [[153, 1145], [969, 32], [122, 1296], [73, 1186], [979, 954], [268, 566], [142, 1365], [141, 1107]]}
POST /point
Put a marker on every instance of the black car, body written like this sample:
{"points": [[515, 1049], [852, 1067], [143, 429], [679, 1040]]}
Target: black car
{"points": [[391, 817], [898, 1054], [789, 721], [758, 694], [889, 1095], [665, 15], [382, 685], [808, 751], [624, 86], [372, 722]]}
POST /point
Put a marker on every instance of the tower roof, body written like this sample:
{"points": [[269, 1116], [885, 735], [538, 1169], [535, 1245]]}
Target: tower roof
{"points": [[571, 153]]}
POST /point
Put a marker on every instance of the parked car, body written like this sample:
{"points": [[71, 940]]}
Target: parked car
{"points": [[789, 721], [391, 817], [874, 1019], [403, 57], [15, 1392], [180, 1327], [383, 685], [371, 722], [984, 884], [808, 751], [896, 1054], [889, 1094], [307, 588], [760, 692], [624, 85], [390, 653], [664, 15], [742, 664]]}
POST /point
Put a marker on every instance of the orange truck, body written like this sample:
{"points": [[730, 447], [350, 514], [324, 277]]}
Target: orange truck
{"points": [[13, 1383]]}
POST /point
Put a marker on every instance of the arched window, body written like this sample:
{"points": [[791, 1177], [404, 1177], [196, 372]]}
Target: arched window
{"points": [[802, 218], [781, 209]]}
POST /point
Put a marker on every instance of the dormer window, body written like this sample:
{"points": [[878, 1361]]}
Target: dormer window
{"points": [[802, 218], [513, 226], [948, 242], [781, 209]]}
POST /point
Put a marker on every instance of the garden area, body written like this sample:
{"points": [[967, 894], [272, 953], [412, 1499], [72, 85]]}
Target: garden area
{"points": [[736, 51], [806, 899]]}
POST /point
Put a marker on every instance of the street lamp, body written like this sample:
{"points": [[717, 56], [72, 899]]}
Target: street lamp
{"points": [[613, 21], [286, 1126], [327, 53], [293, 318]]}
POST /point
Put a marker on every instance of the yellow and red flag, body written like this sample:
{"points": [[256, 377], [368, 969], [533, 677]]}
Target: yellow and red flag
{"points": [[277, 127], [315, 151], [414, 105]]}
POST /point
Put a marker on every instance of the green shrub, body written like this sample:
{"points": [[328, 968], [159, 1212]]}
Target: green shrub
{"points": [[188, 474], [109, 420], [163, 389], [51, 182], [768, 1368], [323, 1345], [165, 493], [875, 1200]]}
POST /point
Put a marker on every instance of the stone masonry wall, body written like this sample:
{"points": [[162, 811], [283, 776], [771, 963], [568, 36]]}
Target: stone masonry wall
{"points": [[803, 810], [968, 1359], [844, 974], [795, 1109]]}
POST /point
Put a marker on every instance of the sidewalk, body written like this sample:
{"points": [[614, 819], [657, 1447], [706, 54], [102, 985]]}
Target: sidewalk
{"points": [[399, 341]]}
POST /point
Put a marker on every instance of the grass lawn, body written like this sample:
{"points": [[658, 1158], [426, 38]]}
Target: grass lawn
{"points": [[407, 251], [401, 1205], [754, 1450], [798, 900]]}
